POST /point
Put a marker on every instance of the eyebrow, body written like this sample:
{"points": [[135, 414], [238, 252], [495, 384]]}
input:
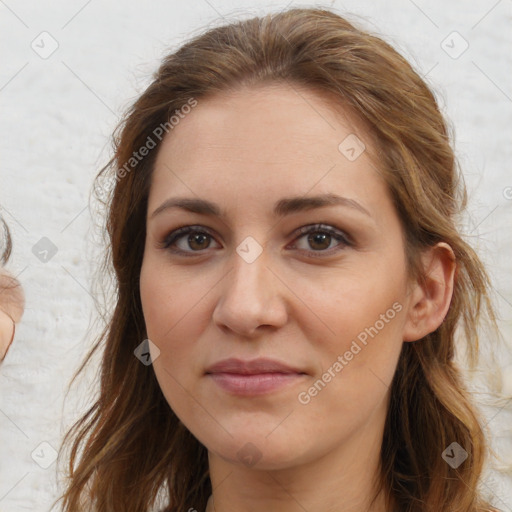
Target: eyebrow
{"points": [[283, 207]]}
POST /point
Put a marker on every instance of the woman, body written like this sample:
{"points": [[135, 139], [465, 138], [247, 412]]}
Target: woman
{"points": [[283, 239], [12, 299]]}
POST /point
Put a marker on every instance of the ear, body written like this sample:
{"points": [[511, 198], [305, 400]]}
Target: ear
{"points": [[430, 297]]}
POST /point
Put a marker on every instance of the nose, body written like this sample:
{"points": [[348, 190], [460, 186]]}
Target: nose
{"points": [[252, 297]]}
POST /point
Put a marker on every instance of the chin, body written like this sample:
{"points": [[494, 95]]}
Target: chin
{"points": [[259, 450]]}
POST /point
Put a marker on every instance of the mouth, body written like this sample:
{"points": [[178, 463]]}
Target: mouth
{"points": [[255, 377]]}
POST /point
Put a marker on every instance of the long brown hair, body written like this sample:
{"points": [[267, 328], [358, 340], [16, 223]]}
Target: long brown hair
{"points": [[130, 447]]}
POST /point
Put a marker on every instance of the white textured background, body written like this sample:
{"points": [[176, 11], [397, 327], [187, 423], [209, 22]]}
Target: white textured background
{"points": [[57, 117]]}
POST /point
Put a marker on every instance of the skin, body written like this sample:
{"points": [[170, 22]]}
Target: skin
{"points": [[300, 302], [12, 302]]}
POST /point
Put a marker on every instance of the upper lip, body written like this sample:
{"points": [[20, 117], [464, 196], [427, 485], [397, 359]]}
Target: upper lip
{"points": [[252, 367]]}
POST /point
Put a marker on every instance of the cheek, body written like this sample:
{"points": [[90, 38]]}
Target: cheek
{"points": [[357, 368], [174, 313], [364, 315], [360, 303], [171, 301]]}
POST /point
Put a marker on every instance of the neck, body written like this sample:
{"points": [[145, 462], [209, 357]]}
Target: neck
{"points": [[342, 480]]}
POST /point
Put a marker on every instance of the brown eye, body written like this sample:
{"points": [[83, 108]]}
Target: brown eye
{"points": [[178, 242], [197, 241], [319, 239]]}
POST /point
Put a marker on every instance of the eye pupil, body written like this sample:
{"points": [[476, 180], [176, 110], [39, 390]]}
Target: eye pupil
{"points": [[320, 238], [197, 237]]}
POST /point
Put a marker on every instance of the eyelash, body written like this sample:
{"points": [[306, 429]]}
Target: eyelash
{"points": [[175, 235]]}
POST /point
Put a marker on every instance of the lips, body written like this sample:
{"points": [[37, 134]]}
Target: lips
{"points": [[252, 367], [255, 377]]}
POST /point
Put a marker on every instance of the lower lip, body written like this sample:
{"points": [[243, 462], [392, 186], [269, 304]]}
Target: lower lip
{"points": [[258, 384]]}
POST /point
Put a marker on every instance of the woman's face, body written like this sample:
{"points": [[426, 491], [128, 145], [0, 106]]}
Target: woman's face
{"points": [[276, 345]]}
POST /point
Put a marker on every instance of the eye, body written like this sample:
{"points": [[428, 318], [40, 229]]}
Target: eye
{"points": [[320, 238], [198, 239]]}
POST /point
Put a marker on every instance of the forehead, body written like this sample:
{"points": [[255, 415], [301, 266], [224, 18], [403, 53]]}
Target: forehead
{"points": [[266, 142]]}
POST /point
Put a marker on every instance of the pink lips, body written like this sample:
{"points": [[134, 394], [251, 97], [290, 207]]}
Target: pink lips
{"points": [[255, 377]]}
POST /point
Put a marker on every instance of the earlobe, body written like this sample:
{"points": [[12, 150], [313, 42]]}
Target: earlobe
{"points": [[431, 296]]}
